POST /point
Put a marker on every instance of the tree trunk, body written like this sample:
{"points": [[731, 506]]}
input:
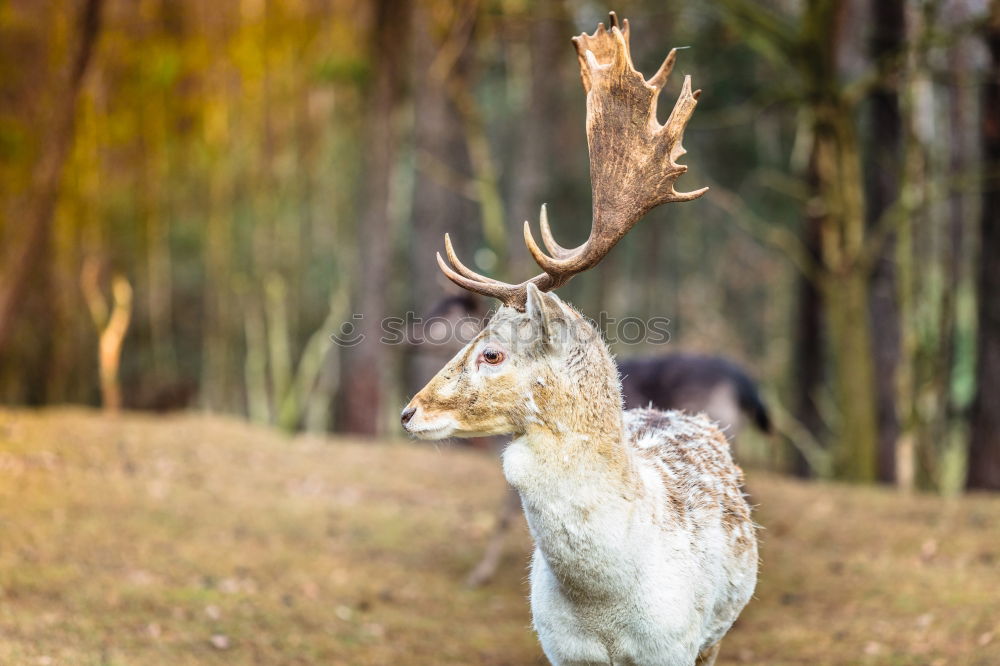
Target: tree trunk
{"points": [[442, 188], [844, 279], [156, 169], [362, 387], [47, 175], [963, 147], [846, 298], [537, 131], [218, 360], [809, 345], [255, 361], [845, 293], [883, 182], [984, 445], [442, 201]]}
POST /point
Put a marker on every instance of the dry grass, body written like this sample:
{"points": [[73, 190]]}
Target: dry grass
{"points": [[190, 540]]}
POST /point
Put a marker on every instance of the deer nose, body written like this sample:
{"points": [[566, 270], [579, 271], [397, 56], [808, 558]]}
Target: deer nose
{"points": [[407, 414]]}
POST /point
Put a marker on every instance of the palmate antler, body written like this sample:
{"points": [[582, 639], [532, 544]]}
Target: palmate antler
{"points": [[633, 164]]}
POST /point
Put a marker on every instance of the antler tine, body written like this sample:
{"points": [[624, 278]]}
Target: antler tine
{"points": [[613, 23], [505, 292], [622, 58], [679, 117], [674, 129], [511, 295], [462, 268], [659, 79], [545, 262], [554, 248], [602, 46]]}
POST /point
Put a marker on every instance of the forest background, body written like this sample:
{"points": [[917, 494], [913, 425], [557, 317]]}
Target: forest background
{"points": [[196, 197]]}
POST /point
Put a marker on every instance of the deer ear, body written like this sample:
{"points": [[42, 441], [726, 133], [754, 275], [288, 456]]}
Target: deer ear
{"points": [[543, 310]]}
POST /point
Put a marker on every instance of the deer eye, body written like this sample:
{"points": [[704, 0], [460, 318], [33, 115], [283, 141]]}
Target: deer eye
{"points": [[492, 356]]}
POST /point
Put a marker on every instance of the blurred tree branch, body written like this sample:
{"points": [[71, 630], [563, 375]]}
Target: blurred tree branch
{"points": [[111, 324], [778, 238]]}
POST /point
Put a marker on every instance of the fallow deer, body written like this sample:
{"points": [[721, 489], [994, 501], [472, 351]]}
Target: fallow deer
{"points": [[645, 552], [694, 383]]}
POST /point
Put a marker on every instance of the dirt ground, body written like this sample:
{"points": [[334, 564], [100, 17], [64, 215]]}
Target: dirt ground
{"points": [[196, 540]]}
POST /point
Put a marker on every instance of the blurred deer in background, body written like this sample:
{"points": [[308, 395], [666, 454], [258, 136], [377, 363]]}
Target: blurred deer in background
{"points": [[693, 383], [645, 552]]}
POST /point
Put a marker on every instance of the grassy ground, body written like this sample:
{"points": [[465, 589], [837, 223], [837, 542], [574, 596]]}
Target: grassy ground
{"points": [[189, 540]]}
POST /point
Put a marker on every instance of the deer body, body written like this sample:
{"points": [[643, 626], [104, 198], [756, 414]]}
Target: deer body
{"points": [[620, 574], [645, 551]]}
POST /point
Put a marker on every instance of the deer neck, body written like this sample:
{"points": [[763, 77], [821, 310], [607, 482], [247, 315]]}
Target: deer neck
{"points": [[577, 479], [572, 436]]}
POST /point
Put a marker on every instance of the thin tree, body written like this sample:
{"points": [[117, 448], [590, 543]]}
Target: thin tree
{"points": [[443, 192], [808, 366], [984, 445], [366, 364], [883, 166], [47, 174]]}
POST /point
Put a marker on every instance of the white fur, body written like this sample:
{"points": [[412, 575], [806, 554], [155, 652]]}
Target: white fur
{"points": [[614, 579]]}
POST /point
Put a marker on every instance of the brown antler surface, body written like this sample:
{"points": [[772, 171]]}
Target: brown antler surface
{"points": [[633, 164]]}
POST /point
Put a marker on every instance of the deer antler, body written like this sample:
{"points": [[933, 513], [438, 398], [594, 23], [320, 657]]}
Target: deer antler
{"points": [[633, 164]]}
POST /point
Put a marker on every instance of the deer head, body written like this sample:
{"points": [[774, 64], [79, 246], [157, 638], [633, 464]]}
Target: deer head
{"points": [[517, 372], [536, 352]]}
